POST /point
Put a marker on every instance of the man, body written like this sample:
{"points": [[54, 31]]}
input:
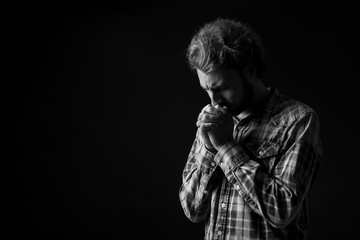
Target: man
{"points": [[256, 152]]}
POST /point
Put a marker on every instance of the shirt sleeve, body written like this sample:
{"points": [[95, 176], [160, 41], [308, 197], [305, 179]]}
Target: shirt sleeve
{"points": [[199, 180], [279, 195]]}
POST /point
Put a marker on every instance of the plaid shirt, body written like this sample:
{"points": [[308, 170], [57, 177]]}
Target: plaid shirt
{"points": [[255, 186]]}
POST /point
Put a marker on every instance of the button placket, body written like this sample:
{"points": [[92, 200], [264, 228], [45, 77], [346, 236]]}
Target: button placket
{"points": [[221, 222]]}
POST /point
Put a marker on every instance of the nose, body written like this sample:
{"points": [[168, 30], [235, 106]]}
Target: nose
{"points": [[216, 98]]}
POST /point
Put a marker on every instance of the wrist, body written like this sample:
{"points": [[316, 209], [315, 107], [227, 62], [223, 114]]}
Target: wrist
{"points": [[219, 146]]}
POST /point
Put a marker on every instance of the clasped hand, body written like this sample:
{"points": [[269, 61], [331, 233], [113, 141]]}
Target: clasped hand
{"points": [[216, 126]]}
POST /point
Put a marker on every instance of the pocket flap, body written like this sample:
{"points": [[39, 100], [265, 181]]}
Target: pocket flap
{"points": [[263, 149]]}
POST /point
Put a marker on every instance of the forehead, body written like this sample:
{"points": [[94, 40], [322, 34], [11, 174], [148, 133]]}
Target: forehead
{"points": [[217, 78]]}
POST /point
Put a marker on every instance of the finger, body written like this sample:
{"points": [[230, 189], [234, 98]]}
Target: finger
{"points": [[211, 109], [219, 112], [208, 109], [199, 123], [221, 109], [224, 111], [211, 118], [210, 113], [208, 126], [204, 110], [207, 117]]}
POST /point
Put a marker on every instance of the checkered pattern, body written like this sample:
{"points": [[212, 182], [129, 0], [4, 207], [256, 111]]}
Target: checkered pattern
{"points": [[255, 186]]}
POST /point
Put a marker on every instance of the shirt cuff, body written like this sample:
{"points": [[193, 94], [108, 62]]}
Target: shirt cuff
{"points": [[230, 156], [206, 160]]}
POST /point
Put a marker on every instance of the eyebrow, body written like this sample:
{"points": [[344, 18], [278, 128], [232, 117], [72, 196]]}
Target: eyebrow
{"points": [[216, 87]]}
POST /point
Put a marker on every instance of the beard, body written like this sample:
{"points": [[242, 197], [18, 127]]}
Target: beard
{"points": [[244, 101]]}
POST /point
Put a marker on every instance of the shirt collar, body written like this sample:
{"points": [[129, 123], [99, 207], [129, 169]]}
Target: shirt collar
{"points": [[268, 104]]}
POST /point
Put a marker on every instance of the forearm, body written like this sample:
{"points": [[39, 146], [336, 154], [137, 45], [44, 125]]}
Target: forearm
{"points": [[200, 178], [276, 196]]}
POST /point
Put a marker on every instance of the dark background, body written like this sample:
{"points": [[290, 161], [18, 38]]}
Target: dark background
{"points": [[100, 111]]}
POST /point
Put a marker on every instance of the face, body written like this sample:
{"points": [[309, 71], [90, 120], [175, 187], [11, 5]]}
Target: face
{"points": [[227, 87]]}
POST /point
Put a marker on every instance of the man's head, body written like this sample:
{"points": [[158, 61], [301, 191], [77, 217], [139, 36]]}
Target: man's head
{"points": [[228, 58], [226, 43]]}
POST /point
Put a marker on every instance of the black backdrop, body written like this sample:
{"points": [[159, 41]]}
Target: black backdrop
{"points": [[100, 111]]}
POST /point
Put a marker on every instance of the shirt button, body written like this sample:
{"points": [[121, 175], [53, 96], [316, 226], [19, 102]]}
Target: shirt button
{"points": [[213, 164], [261, 153], [222, 164], [223, 205], [237, 187], [219, 233]]}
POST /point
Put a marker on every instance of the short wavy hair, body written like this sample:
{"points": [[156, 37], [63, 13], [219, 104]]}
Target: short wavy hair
{"points": [[226, 42]]}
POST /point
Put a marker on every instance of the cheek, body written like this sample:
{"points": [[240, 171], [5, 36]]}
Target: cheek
{"points": [[230, 96]]}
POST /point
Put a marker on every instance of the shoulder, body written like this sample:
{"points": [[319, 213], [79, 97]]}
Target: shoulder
{"points": [[288, 110]]}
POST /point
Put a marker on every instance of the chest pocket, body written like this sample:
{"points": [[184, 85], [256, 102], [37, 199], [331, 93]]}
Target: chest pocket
{"points": [[264, 153]]}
